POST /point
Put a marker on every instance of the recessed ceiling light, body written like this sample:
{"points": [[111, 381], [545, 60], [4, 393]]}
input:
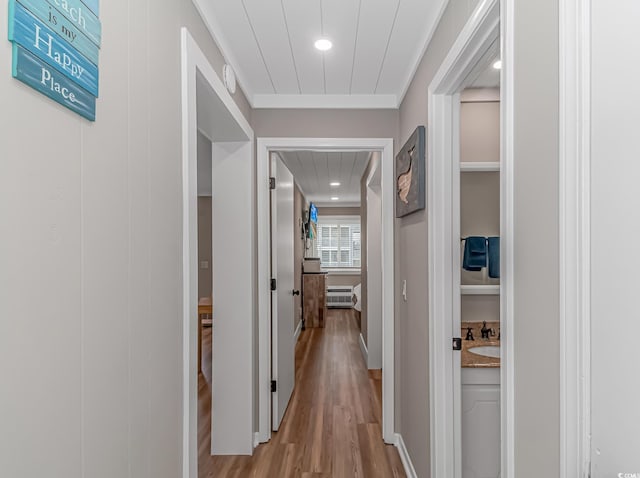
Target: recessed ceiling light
{"points": [[335, 199], [323, 44], [334, 185], [498, 64]]}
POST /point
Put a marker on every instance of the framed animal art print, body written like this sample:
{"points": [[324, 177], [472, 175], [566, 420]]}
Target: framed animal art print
{"points": [[410, 175]]}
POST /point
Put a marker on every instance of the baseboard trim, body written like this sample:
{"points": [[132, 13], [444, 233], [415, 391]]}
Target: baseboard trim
{"points": [[296, 334], [364, 350], [409, 470], [256, 440]]}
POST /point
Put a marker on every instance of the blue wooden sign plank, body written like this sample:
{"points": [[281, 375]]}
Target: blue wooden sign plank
{"points": [[82, 17], [40, 76], [93, 5], [60, 25], [33, 35]]}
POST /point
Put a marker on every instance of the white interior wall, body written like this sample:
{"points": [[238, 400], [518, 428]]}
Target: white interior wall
{"points": [[91, 286], [615, 174], [374, 272], [232, 389], [205, 178]]}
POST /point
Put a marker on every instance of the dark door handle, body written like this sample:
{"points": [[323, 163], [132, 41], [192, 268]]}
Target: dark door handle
{"points": [[296, 292]]}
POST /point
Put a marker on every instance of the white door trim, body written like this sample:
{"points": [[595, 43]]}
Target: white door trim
{"points": [[264, 146], [479, 36], [575, 259], [194, 61], [507, 227]]}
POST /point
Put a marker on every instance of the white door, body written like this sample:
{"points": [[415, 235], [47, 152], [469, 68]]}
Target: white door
{"points": [[282, 304]]}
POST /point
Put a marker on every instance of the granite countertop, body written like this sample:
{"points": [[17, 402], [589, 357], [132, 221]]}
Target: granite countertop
{"points": [[471, 360]]}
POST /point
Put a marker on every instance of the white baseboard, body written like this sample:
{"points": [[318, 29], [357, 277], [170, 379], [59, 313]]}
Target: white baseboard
{"points": [[256, 439], [364, 350], [409, 470], [296, 334]]}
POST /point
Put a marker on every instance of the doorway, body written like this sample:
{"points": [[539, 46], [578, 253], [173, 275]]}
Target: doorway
{"points": [[266, 147], [210, 112], [477, 46]]}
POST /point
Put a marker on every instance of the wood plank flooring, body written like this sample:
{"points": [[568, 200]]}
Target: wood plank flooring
{"points": [[332, 428]]}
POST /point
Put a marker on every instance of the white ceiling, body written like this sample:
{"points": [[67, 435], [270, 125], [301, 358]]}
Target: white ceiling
{"points": [[377, 45], [314, 171], [489, 78]]}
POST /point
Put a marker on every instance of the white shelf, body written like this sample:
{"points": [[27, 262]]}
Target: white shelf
{"points": [[480, 289], [478, 167]]}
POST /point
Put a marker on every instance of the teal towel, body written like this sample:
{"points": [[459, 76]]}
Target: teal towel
{"points": [[494, 257], [475, 253]]}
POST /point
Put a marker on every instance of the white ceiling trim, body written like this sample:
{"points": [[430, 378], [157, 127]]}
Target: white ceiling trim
{"points": [[325, 101]]}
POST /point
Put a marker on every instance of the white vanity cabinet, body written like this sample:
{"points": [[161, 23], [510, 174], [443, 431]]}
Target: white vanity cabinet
{"points": [[481, 422]]}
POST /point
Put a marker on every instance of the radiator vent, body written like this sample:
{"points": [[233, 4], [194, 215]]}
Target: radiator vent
{"points": [[340, 296]]}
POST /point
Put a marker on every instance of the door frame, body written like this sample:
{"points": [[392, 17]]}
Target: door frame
{"points": [[195, 65], [490, 23], [575, 238], [264, 147]]}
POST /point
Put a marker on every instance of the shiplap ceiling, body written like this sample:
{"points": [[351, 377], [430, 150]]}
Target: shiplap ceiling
{"points": [[377, 45], [315, 171]]}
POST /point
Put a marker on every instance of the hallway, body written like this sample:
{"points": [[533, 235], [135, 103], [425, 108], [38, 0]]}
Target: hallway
{"points": [[332, 428]]}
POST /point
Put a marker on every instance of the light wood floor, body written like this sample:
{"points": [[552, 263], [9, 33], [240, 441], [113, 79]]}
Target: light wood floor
{"points": [[332, 428]]}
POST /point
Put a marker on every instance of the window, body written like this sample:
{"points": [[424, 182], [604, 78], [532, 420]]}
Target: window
{"points": [[338, 242]]}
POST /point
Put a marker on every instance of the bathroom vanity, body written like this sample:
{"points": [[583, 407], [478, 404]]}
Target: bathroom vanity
{"points": [[480, 400]]}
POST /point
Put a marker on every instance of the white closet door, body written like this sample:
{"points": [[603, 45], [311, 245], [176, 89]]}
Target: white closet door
{"points": [[282, 308]]}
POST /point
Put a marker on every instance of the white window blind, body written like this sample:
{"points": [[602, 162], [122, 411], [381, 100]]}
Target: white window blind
{"points": [[338, 242]]}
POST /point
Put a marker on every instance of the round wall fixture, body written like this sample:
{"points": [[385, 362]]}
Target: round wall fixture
{"points": [[229, 78]]}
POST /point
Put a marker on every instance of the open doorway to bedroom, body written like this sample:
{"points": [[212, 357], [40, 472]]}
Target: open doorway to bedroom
{"points": [[335, 225], [217, 164], [342, 249], [326, 324]]}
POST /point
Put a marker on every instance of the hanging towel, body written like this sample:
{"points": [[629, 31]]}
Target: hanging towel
{"points": [[494, 257], [475, 253]]}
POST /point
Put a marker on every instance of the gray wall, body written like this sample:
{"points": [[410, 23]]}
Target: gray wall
{"points": [[91, 288], [205, 248], [325, 123], [371, 316], [364, 293], [205, 188], [338, 211], [536, 239], [299, 206], [536, 212], [412, 322]]}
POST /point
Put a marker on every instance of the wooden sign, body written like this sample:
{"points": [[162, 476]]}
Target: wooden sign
{"points": [[47, 80], [93, 5], [81, 16], [30, 33], [57, 22]]}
